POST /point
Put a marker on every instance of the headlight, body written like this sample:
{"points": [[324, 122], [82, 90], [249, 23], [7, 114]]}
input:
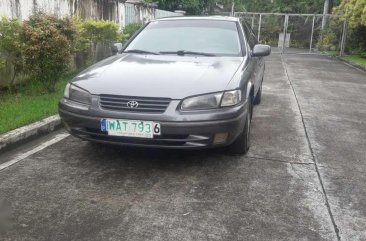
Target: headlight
{"points": [[202, 102], [231, 98], [212, 101], [77, 94]]}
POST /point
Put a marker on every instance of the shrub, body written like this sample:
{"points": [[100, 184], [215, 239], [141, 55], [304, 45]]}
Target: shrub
{"points": [[101, 34], [47, 47], [327, 40], [132, 28], [356, 41], [82, 43], [100, 31], [10, 47], [82, 47]]}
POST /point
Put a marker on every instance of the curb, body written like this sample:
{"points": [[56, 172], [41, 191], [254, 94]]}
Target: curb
{"points": [[357, 66], [349, 63], [29, 132]]}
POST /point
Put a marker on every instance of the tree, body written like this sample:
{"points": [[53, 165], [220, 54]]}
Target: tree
{"points": [[192, 7], [237, 4], [354, 11], [198, 7], [284, 6]]}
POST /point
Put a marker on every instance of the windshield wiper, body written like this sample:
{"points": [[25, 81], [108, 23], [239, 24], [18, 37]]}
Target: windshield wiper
{"points": [[184, 52], [139, 51]]}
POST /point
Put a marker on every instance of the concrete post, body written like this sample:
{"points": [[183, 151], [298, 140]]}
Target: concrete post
{"points": [[344, 38], [312, 35], [259, 27], [285, 26]]}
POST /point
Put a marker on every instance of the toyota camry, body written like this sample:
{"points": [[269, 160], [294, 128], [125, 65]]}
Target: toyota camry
{"points": [[180, 82]]}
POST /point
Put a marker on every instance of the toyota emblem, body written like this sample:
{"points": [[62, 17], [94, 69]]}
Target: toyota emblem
{"points": [[132, 104]]}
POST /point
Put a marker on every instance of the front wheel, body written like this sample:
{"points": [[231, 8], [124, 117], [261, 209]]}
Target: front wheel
{"points": [[241, 144], [258, 97]]}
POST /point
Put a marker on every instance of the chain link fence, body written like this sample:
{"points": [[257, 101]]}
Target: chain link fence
{"points": [[298, 33]]}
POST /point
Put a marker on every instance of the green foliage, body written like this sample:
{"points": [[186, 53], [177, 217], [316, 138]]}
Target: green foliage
{"points": [[271, 27], [10, 49], [82, 42], [122, 37], [196, 7], [192, 7], [327, 41], [2, 63], [100, 31], [356, 41], [44, 46], [358, 52], [91, 33], [279, 6], [354, 11], [285, 6], [47, 47], [132, 28]]}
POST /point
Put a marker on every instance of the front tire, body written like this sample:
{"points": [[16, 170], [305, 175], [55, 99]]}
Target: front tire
{"points": [[241, 145], [258, 97]]}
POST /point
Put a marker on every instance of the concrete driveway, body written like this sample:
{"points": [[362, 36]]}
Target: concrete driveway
{"points": [[303, 179]]}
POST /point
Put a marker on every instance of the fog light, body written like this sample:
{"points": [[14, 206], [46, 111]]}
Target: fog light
{"points": [[220, 138]]}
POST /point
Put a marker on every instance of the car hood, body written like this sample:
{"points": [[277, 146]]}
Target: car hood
{"points": [[168, 76]]}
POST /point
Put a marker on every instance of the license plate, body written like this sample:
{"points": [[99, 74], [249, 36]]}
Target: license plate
{"points": [[130, 128]]}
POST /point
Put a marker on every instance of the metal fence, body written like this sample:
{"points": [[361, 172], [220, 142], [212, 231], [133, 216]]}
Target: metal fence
{"points": [[298, 33], [130, 14]]}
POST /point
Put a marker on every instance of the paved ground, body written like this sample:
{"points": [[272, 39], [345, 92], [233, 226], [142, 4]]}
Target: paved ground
{"points": [[304, 178]]}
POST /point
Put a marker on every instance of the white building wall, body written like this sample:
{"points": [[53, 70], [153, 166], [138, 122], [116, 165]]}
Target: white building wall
{"points": [[88, 9], [94, 9], [22, 9]]}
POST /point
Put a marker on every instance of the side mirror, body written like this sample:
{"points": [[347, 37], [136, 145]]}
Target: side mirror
{"points": [[116, 47], [261, 50]]}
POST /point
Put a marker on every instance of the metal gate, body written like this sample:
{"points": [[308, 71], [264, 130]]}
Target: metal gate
{"points": [[131, 14], [299, 33]]}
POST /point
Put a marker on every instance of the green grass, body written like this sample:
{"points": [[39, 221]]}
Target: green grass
{"points": [[356, 59], [333, 53], [28, 104]]}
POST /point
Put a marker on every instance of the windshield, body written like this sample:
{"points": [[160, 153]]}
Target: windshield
{"points": [[202, 36]]}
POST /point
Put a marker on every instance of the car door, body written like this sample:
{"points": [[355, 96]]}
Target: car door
{"points": [[257, 62]]}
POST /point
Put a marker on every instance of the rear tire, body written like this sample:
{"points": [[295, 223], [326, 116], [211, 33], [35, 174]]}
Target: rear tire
{"points": [[258, 97], [241, 145]]}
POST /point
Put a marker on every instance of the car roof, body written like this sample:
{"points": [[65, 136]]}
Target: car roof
{"points": [[222, 18]]}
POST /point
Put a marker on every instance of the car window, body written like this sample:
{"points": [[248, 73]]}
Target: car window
{"points": [[214, 37]]}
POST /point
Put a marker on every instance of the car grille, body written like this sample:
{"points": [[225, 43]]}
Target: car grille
{"points": [[145, 104], [164, 140]]}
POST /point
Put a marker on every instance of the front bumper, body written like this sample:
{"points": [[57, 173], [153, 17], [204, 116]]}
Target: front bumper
{"points": [[178, 130]]}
